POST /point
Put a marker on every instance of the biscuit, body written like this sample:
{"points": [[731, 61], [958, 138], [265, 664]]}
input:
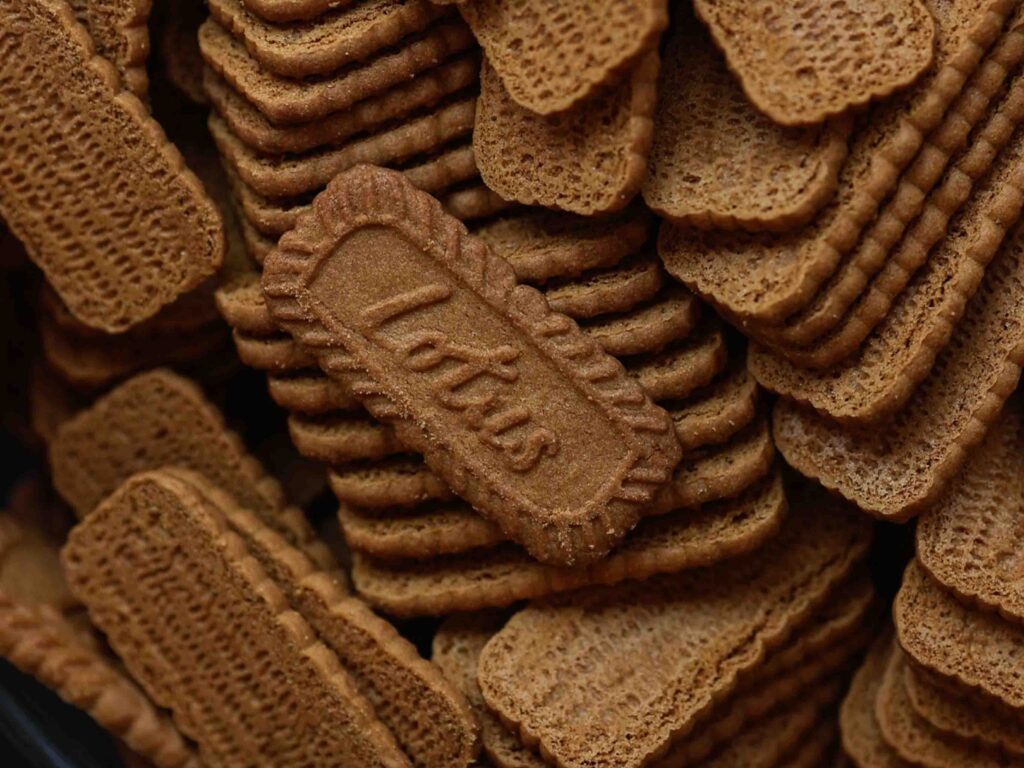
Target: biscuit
{"points": [[255, 667], [802, 64], [428, 717], [541, 245], [684, 639], [272, 353], [959, 713], [670, 315], [424, 90], [287, 175], [309, 392], [718, 163], [343, 437], [975, 649], [285, 102], [474, 201], [931, 191], [476, 439], [716, 411], [552, 55], [914, 738], [589, 160], [178, 49], [505, 574], [158, 419], [41, 644], [109, 278], [240, 302], [119, 31], [684, 366], [292, 10], [882, 376], [349, 35], [398, 481], [891, 471], [30, 569], [633, 281], [764, 278], [968, 540], [859, 730]]}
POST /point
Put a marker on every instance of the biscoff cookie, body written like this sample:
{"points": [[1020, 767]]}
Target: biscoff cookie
{"points": [[30, 569], [293, 10], [309, 392], [118, 29], [424, 90], [632, 281], [284, 101], [589, 160], [541, 245], [551, 55], [474, 202], [715, 412], [880, 378], [718, 163], [975, 649], [953, 710], [260, 688], [296, 175], [703, 628], [811, 60], [177, 47], [240, 302], [968, 540], [683, 366], [764, 278], [272, 353], [50, 173], [41, 644], [397, 481], [672, 314], [427, 716], [901, 468], [161, 419], [861, 736], [509, 461], [342, 437], [505, 574], [955, 156], [333, 40], [916, 740]]}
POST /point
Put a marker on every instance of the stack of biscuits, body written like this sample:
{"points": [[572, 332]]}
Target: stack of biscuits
{"points": [[888, 321], [945, 689], [538, 288]]}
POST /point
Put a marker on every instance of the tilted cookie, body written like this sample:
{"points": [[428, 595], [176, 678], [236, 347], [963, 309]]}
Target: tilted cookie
{"points": [[422, 91], [703, 628], [647, 328], [158, 419], [503, 575], [684, 365], [764, 278], [915, 739], [240, 302], [296, 175], [952, 709], [941, 179], [398, 481], [119, 30], [210, 636], [40, 643], [900, 468], [342, 437], [968, 541], [278, 353], [309, 392], [551, 54], [333, 40], [630, 282], [715, 412], [435, 297], [861, 736], [63, 158], [803, 63], [718, 163], [879, 379], [541, 245], [427, 716], [589, 160], [285, 101], [975, 649]]}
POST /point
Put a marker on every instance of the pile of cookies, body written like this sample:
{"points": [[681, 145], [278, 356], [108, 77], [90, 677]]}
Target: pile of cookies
{"points": [[605, 328]]}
